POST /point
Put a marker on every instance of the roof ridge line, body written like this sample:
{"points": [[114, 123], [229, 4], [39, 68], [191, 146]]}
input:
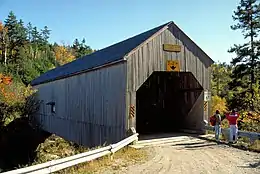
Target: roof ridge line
{"points": [[166, 25]]}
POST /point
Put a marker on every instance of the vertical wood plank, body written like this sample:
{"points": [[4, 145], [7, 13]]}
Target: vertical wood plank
{"points": [[89, 106]]}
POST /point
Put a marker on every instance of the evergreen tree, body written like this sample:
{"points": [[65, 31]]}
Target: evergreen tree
{"points": [[84, 49], [25, 52], [21, 33], [76, 45], [29, 31], [45, 33], [11, 25], [17, 36], [35, 35], [81, 49], [36, 41], [247, 60]]}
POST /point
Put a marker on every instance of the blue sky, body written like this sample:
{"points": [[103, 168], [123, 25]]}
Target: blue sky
{"points": [[104, 22]]}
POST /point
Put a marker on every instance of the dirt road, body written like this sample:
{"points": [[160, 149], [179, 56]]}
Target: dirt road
{"points": [[196, 156]]}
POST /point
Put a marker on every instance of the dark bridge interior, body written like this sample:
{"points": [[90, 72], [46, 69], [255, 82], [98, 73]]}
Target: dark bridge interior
{"points": [[164, 101]]}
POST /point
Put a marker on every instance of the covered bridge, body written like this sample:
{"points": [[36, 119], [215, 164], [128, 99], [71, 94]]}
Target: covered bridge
{"points": [[154, 81]]}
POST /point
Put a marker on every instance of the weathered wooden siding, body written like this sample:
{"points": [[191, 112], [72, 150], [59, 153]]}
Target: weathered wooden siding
{"points": [[90, 107], [150, 57]]}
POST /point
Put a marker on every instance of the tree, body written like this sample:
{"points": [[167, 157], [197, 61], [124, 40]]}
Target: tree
{"points": [[220, 79], [16, 34], [3, 43], [81, 49], [30, 69], [76, 45], [45, 34], [21, 33], [218, 103], [26, 53], [29, 31], [11, 25], [63, 54], [36, 41], [246, 63]]}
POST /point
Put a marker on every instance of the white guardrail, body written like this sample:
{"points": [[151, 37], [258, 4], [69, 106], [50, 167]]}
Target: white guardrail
{"points": [[59, 164], [251, 135]]}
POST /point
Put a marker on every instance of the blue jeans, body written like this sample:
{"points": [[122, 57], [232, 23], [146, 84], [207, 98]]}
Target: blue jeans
{"points": [[217, 131], [233, 133]]}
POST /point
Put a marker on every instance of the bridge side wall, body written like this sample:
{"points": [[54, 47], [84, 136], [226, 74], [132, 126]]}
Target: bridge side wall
{"points": [[89, 107]]}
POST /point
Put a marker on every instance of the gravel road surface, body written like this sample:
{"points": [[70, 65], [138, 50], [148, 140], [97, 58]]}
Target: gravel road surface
{"points": [[196, 156]]}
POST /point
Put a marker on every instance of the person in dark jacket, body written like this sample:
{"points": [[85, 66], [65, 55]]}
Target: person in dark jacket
{"points": [[217, 126]]}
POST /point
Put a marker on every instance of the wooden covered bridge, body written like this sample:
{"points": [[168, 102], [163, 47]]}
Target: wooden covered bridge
{"points": [[154, 81]]}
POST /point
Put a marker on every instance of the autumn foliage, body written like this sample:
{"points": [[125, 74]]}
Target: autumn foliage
{"points": [[63, 55], [218, 103], [250, 121], [5, 94], [3, 30], [25, 54], [13, 97]]}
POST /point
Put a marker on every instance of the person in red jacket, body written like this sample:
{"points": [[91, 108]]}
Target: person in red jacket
{"points": [[232, 119]]}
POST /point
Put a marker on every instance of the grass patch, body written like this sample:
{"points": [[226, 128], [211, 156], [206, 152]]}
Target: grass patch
{"points": [[210, 132], [245, 142], [242, 143], [23, 146], [255, 145], [56, 147], [123, 158]]}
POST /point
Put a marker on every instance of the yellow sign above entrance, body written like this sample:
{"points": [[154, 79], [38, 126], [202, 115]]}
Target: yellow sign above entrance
{"points": [[173, 65], [171, 48]]}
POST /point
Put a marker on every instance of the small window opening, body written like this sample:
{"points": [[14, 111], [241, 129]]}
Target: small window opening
{"points": [[52, 104]]}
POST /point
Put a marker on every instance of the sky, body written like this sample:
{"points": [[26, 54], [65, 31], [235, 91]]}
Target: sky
{"points": [[105, 22]]}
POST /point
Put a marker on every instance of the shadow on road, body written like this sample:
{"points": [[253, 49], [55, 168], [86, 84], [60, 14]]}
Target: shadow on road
{"points": [[188, 144], [184, 140], [199, 146], [237, 146], [252, 165]]}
